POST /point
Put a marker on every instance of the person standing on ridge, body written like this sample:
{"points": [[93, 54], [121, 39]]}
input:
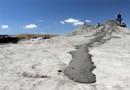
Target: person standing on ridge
{"points": [[98, 25], [119, 19]]}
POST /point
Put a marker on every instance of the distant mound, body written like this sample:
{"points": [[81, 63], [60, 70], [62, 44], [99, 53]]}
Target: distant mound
{"points": [[110, 25], [81, 30]]}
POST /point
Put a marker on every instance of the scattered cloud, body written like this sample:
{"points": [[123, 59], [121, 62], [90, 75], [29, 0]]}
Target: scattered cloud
{"points": [[62, 22], [4, 26], [30, 26], [74, 22], [78, 23], [88, 21], [71, 20]]}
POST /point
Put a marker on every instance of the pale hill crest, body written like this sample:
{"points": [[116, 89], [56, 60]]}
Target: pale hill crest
{"points": [[109, 28]]}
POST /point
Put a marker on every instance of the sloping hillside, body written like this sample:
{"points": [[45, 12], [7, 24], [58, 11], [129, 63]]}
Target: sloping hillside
{"points": [[60, 63]]}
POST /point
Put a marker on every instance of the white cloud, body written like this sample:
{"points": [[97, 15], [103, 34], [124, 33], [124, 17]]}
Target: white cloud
{"points": [[74, 22], [88, 21], [78, 23], [30, 26], [71, 20], [4, 26], [62, 22]]}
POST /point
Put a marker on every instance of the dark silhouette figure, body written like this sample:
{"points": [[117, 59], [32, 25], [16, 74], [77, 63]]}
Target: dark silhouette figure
{"points": [[85, 23], [119, 19], [98, 25]]}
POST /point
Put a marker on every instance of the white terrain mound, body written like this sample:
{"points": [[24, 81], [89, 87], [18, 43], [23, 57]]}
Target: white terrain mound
{"points": [[85, 59]]}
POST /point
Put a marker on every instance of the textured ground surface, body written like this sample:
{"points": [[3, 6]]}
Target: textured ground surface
{"points": [[35, 65]]}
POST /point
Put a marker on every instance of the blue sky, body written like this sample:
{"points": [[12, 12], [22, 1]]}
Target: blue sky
{"points": [[57, 16]]}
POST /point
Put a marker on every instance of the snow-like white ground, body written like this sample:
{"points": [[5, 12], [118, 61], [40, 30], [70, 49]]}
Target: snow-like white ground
{"points": [[21, 63], [34, 65], [112, 60]]}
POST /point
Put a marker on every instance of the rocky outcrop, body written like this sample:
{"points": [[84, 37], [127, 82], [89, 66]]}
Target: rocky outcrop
{"points": [[81, 30]]}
